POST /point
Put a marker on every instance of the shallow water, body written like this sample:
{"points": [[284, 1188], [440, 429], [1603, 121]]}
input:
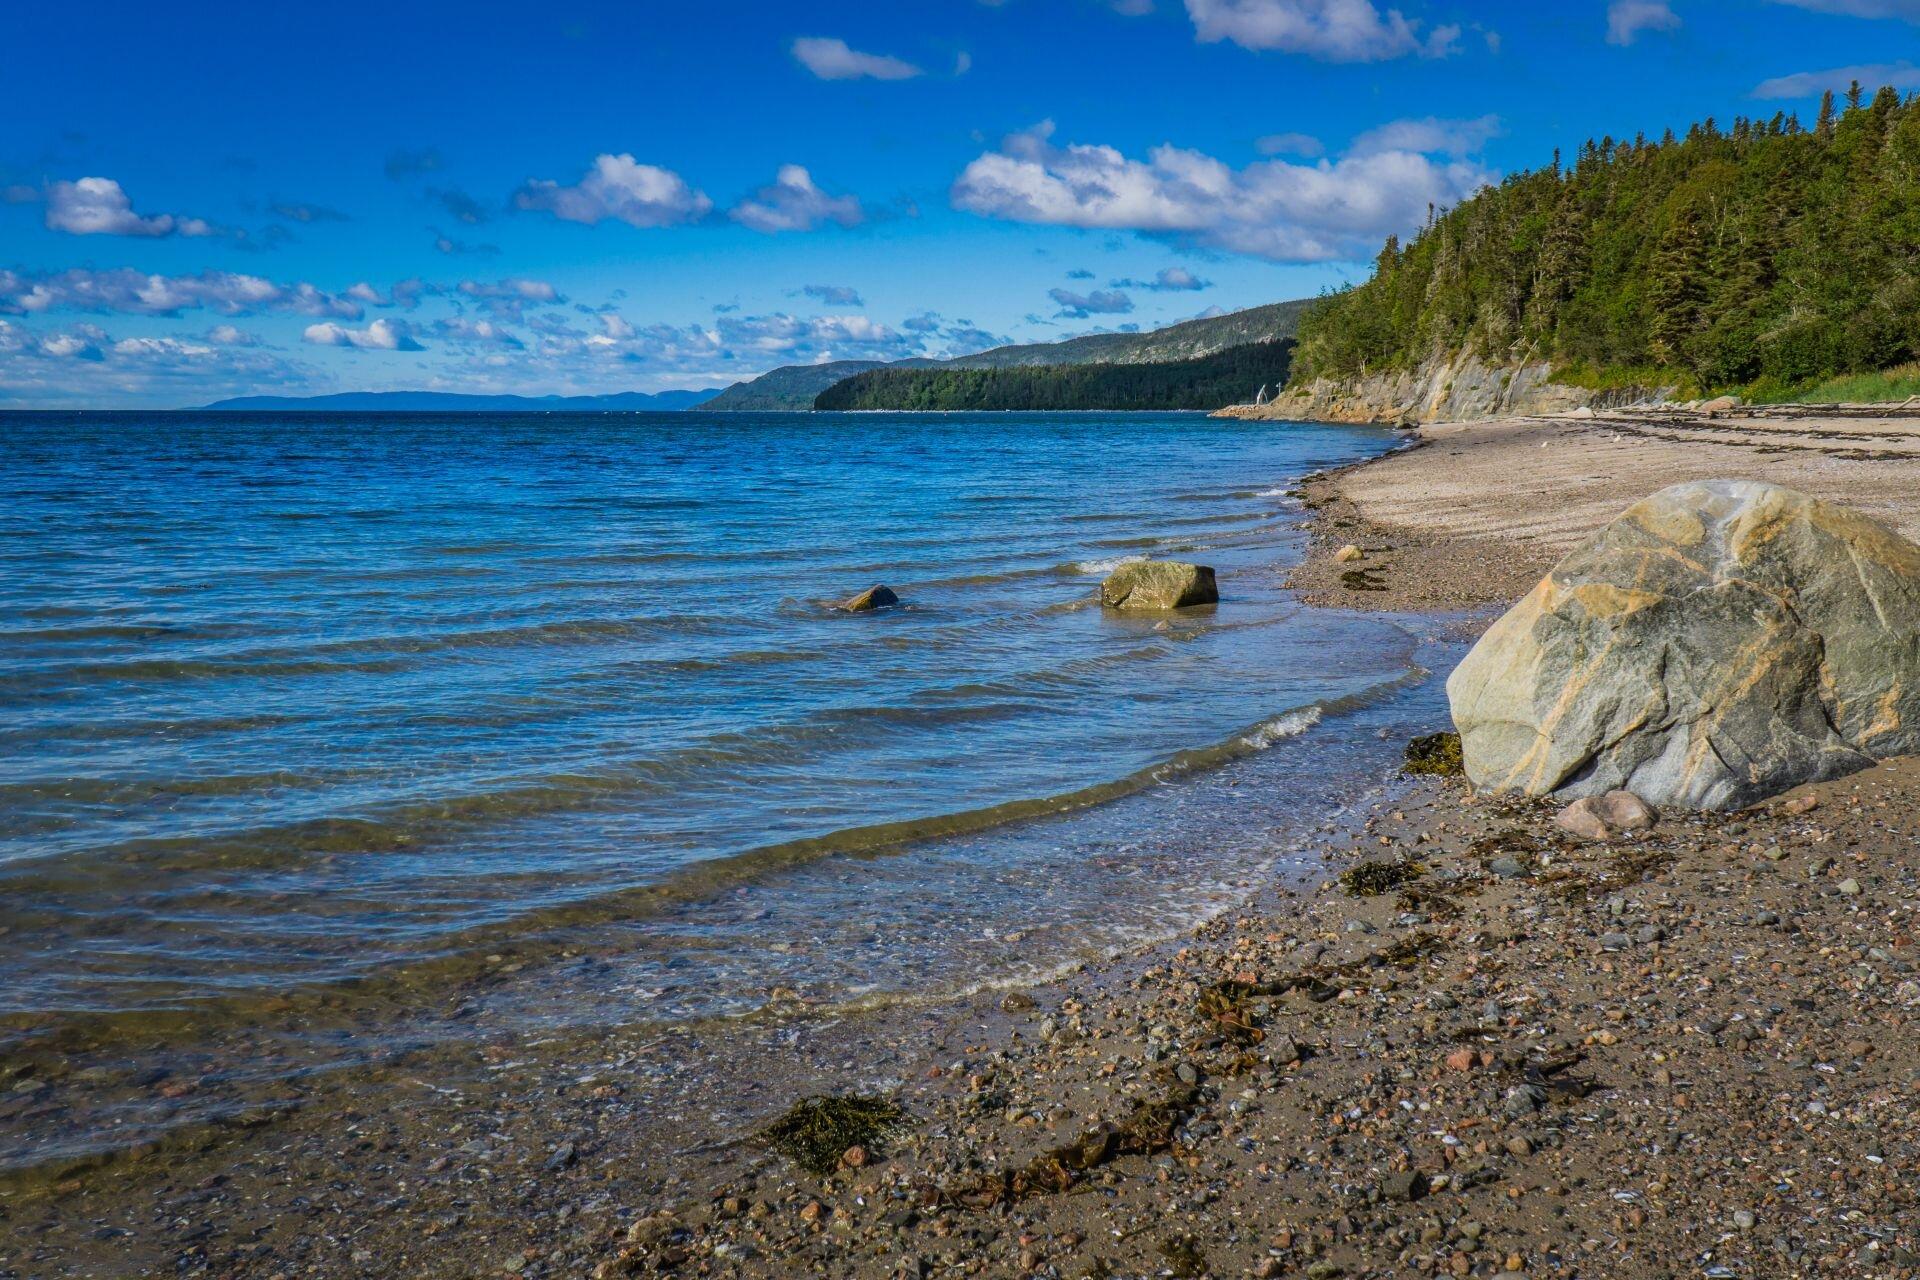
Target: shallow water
{"points": [[297, 705]]}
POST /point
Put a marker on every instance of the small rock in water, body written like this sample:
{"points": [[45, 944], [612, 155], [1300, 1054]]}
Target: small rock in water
{"points": [[1159, 584], [874, 597]]}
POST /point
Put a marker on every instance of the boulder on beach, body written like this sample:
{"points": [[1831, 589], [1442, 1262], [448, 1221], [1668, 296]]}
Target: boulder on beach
{"points": [[1717, 644], [874, 597], [1159, 584]]}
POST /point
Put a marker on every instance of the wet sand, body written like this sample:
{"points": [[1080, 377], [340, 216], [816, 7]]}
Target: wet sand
{"points": [[1685, 1054]]}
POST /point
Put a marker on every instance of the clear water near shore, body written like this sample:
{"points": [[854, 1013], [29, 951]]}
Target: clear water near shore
{"points": [[379, 707]]}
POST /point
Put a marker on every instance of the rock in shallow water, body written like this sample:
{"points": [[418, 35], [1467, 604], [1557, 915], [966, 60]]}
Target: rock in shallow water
{"points": [[876, 597], [1159, 584], [1720, 642]]}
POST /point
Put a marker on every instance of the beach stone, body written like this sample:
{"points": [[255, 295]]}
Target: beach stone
{"points": [[1348, 554], [1582, 818], [1717, 644], [874, 597], [1159, 584], [1404, 1188]]}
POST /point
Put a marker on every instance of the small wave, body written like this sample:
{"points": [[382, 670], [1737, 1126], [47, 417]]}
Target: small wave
{"points": [[1280, 728], [1101, 568]]}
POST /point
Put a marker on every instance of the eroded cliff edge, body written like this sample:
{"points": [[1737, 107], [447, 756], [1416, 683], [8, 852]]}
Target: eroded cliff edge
{"points": [[1455, 388]]}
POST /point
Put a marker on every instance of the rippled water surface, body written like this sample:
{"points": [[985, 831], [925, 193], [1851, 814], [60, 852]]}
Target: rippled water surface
{"points": [[288, 701]]}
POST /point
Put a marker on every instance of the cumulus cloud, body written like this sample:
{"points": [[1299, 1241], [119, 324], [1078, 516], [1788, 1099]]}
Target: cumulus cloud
{"points": [[1290, 144], [1329, 30], [834, 295], [138, 293], [1811, 84], [1626, 19], [1168, 280], [795, 203], [381, 335], [508, 299], [226, 335], [83, 365], [621, 188], [466, 332], [1079, 306], [98, 207], [831, 59], [1333, 210], [1429, 136], [1909, 10]]}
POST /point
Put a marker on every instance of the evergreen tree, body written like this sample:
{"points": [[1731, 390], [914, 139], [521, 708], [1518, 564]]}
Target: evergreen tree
{"points": [[1770, 254]]}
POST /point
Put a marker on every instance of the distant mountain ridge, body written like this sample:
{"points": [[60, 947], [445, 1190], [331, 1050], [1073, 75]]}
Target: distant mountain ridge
{"points": [[796, 387], [454, 402]]}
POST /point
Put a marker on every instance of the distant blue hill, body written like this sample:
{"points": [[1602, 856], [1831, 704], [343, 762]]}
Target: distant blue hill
{"points": [[452, 402]]}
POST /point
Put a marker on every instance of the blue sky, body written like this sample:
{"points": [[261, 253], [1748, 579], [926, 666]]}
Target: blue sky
{"points": [[220, 198]]}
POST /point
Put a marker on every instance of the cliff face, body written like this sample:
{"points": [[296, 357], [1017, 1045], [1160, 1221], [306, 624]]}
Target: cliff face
{"points": [[1455, 388]]}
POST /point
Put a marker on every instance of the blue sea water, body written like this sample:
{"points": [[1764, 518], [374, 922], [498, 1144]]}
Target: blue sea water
{"points": [[302, 702]]}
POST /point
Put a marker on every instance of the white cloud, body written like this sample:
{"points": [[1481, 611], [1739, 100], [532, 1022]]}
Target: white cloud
{"points": [[1081, 305], [794, 203], [1330, 30], [1626, 19], [98, 207], [1290, 144], [138, 293], [1908, 10], [834, 295], [1274, 209], [42, 368], [226, 335], [831, 59], [462, 331], [1429, 136], [1811, 84], [381, 335], [1168, 280], [618, 187]]}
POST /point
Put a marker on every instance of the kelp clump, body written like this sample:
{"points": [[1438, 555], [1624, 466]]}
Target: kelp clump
{"points": [[816, 1132], [1371, 879], [1437, 754]]}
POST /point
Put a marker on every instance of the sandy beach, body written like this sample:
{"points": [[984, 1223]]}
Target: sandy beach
{"points": [[1475, 513], [1490, 1051]]}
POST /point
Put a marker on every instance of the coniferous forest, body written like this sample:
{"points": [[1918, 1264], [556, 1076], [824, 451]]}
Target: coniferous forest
{"points": [[1226, 377], [1763, 256]]}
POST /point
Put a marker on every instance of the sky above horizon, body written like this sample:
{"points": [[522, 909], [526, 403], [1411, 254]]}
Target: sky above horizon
{"points": [[581, 198]]}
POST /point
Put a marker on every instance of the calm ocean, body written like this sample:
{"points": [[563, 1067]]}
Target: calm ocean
{"points": [[340, 714]]}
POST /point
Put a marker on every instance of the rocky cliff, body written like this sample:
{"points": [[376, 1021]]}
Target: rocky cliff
{"points": [[1455, 388]]}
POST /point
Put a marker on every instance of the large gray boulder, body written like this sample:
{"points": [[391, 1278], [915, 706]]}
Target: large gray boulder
{"points": [[1720, 642], [1159, 584]]}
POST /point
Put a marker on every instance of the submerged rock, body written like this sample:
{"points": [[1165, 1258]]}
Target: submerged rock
{"points": [[875, 597], [1720, 642], [1159, 584]]}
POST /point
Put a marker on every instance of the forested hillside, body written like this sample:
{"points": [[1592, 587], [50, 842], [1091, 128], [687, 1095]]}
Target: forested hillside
{"points": [[1765, 255], [1209, 382], [796, 386]]}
